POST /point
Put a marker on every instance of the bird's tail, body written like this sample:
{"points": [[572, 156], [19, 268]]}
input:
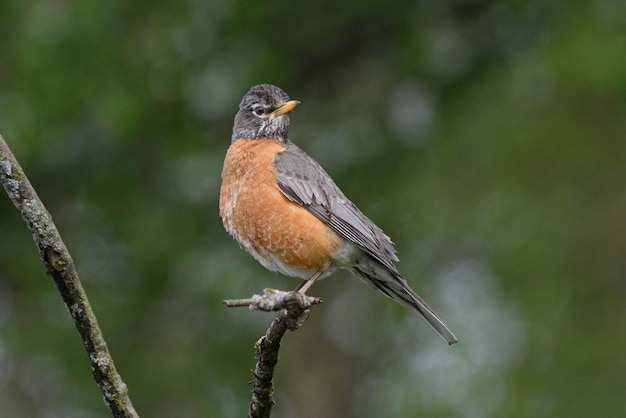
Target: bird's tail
{"points": [[393, 285]]}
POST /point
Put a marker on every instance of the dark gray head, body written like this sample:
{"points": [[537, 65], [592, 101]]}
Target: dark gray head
{"points": [[264, 113]]}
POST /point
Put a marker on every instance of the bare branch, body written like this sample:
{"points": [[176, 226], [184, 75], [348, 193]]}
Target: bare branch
{"points": [[293, 309], [60, 266], [274, 300]]}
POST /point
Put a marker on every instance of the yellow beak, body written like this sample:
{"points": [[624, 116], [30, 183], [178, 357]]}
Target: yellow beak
{"points": [[284, 109]]}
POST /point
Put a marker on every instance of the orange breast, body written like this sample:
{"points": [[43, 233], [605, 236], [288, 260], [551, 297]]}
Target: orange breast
{"points": [[268, 225]]}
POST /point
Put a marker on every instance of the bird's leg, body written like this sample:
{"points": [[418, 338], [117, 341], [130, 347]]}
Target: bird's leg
{"points": [[306, 283]]}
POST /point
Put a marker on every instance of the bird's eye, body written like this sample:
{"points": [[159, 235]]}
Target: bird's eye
{"points": [[258, 110]]}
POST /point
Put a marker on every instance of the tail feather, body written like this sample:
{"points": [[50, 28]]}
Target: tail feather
{"points": [[393, 285]]}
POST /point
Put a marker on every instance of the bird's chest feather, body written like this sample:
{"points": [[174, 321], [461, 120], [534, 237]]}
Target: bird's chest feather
{"points": [[249, 184], [257, 214]]}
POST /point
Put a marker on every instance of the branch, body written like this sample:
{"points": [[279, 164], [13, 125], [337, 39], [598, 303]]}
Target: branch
{"points": [[274, 300], [293, 308], [60, 266]]}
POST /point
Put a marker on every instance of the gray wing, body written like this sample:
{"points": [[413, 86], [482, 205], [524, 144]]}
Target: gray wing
{"points": [[303, 181]]}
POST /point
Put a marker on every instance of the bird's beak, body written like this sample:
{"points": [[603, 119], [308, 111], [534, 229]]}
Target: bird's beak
{"points": [[284, 109]]}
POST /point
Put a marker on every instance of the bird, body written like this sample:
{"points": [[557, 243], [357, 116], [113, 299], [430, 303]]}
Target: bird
{"points": [[284, 209]]}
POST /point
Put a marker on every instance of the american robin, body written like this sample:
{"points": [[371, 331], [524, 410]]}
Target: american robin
{"points": [[285, 210]]}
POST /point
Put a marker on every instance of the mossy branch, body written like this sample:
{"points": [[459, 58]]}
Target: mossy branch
{"points": [[60, 266]]}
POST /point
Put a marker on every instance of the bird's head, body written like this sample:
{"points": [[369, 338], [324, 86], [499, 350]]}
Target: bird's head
{"points": [[264, 113]]}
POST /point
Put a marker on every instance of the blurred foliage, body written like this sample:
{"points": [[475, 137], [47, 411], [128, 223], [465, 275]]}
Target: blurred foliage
{"points": [[486, 137]]}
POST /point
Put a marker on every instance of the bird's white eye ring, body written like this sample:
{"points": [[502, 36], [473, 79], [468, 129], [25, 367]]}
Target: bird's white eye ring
{"points": [[258, 110]]}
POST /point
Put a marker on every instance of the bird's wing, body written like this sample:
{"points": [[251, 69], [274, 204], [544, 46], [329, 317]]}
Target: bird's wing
{"points": [[303, 181]]}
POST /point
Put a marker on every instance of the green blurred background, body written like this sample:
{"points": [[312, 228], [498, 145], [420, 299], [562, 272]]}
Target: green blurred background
{"points": [[487, 138]]}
